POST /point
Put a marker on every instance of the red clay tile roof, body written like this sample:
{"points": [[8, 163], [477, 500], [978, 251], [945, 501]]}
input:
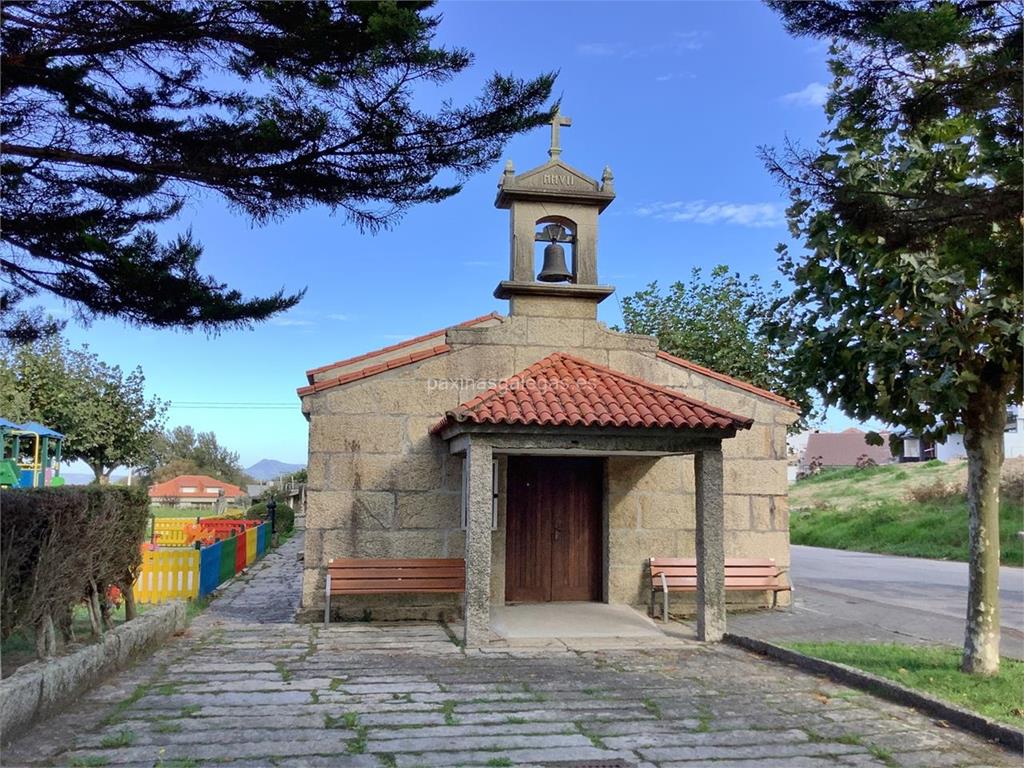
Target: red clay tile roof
{"points": [[172, 488], [727, 379], [369, 370], [562, 390]]}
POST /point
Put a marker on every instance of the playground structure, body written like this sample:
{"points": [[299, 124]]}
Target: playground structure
{"points": [[31, 455]]}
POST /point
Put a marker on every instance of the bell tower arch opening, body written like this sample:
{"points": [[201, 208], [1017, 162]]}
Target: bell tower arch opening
{"points": [[555, 235], [553, 212]]}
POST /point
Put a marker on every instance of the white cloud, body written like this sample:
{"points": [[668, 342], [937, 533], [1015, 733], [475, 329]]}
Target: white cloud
{"points": [[675, 76], [813, 95], [680, 42], [704, 212], [689, 41], [599, 49], [290, 322], [338, 316]]}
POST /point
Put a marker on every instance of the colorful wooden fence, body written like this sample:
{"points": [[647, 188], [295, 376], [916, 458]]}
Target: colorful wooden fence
{"points": [[227, 527], [171, 531], [184, 572], [167, 574]]}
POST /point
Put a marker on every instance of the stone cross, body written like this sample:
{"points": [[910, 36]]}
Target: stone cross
{"points": [[557, 120]]}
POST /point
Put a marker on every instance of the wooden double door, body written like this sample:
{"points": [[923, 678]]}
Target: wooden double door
{"points": [[553, 547]]}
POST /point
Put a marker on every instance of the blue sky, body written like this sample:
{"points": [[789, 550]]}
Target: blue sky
{"points": [[675, 97]]}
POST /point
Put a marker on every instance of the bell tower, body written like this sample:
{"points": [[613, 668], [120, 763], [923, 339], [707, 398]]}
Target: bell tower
{"points": [[553, 208]]}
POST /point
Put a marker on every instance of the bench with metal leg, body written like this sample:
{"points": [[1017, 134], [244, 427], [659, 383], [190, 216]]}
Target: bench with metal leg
{"points": [[679, 574]]}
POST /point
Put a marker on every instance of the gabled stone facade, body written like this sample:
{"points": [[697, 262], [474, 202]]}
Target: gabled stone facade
{"points": [[382, 486]]}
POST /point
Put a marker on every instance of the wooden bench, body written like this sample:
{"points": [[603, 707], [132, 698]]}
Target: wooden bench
{"points": [[679, 574], [387, 577]]}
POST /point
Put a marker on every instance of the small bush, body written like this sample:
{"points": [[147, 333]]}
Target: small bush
{"points": [[865, 462], [1011, 487], [284, 518], [937, 490]]}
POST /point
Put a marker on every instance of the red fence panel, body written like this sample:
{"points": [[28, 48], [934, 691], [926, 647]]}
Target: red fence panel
{"points": [[239, 554]]}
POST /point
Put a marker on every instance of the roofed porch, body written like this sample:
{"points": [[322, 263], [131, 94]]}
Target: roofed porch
{"points": [[567, 407], [485, 587]]}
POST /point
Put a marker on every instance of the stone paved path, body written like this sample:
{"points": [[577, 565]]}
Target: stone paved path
{"points": [[246, 687]]}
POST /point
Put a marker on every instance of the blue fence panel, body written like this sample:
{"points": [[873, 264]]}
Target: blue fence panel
{"points": [[209, 569], [261, 539]]}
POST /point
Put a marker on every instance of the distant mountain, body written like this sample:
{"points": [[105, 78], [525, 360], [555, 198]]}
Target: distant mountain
{"points": [[271, 469]]}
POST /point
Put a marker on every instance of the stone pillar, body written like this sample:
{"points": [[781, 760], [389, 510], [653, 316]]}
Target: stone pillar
{"points": [[477, 605], [710, 545]]}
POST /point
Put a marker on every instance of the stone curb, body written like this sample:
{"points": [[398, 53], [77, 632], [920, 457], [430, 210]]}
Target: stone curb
{"points": [[887, 689], [41, 688]]}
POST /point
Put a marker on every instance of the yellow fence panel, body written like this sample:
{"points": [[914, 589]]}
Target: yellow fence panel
{"points": [[250, 546], [170, 531], [167, 574]]}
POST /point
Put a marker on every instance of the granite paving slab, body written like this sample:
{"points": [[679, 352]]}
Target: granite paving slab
{"points": [[246, 687]]}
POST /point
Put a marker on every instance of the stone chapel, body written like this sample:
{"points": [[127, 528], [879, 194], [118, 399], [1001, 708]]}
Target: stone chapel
{"points": [[552, 454]]}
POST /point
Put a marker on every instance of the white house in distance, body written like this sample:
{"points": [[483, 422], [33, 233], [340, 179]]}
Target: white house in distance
{"points": [[917, 448]]}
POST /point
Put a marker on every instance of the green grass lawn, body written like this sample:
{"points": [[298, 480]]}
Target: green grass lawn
{"points": [[180, 512], [887, 473], [935, 529], [934, 671], [915, 509]]}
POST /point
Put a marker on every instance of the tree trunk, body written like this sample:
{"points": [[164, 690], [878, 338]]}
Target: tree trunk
{"points": [[128, 595], [51, 636], [984, 424], [108, 619], [95, 616], [67, 626], [46, 638]]}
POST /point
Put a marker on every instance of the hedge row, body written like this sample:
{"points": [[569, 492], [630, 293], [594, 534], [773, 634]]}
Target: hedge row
{"points": [[63, 546], [284, 516]]}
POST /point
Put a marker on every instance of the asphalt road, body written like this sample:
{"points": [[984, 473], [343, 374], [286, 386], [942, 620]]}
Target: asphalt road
{"points": [[841, 595]]}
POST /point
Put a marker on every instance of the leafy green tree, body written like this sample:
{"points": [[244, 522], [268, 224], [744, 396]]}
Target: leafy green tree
{"points": [[104, 414], [183, 451], [114, 113], [719, 321], [908, 298]]}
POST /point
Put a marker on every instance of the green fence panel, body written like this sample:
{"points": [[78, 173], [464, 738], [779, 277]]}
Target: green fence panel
{"points": [[227, 558]]}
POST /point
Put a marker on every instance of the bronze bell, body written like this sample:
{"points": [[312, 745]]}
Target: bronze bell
{"points": [[554, 270]]}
